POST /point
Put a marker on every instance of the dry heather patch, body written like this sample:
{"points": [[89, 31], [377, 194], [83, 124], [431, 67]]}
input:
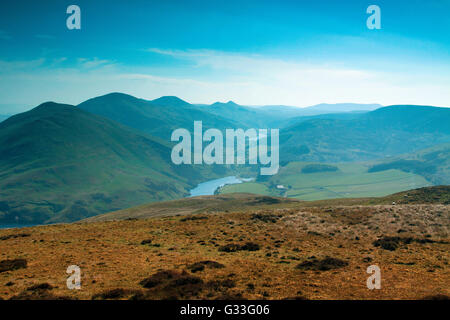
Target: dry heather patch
{"points": [[370, 221]]}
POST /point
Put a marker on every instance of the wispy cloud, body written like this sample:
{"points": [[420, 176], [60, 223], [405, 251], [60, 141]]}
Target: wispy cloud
{"points": [[210, 76], [14, 66], [269, 80], [93, 63]]}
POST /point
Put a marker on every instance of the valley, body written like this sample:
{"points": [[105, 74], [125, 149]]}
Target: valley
{"points": [[350, 180], [63, 163]]}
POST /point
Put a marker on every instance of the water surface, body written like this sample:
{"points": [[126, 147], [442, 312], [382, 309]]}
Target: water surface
{"points": [[209, 187]]}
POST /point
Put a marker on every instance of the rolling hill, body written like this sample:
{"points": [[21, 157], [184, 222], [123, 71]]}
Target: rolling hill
{"points": [[381, 133], [238, 202], [158, 117], [245, 117], [194, 205], [60, 163], [432, 163], [282, 116]]}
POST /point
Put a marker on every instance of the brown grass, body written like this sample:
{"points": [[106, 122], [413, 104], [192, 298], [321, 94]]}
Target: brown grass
{"points": [[155, 258]]}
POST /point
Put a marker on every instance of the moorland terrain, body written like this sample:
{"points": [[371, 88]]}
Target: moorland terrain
{"points": [[240, 246]]}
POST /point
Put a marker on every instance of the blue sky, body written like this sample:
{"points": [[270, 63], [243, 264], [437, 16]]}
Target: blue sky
{"points": [[252, 52]]}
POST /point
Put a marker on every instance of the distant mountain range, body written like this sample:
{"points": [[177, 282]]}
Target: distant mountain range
{"points": [[279, 116], [65, 163], [320, 109], [157, 117]]}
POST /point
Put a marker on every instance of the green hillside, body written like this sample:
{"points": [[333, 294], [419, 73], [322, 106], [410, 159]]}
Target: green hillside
{"points": [[432, 163], [157, 117], [59, 163], [245, 117], [378, 134]]}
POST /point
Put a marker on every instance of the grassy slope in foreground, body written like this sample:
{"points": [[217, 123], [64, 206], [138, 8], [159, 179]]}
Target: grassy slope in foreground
{"points": [[201, 204], [307, 252], [247, 201], [351, 181]]}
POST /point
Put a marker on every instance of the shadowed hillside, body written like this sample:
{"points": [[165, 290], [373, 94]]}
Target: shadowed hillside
{"points": [[381, 133], [158, 117], [60, 163]]}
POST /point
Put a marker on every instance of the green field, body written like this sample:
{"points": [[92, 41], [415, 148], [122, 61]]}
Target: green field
{"points": [[351, 181]]}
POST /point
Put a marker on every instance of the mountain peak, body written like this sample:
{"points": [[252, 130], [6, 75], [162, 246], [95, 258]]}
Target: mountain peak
{"points": [[49, 104], [229, 103], [52, 106], [170, 101]]}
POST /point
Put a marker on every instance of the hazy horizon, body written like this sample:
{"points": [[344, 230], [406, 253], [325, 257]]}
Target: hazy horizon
{"points": [[257, 53]]}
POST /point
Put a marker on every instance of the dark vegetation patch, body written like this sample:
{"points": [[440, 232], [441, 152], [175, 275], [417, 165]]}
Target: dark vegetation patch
{"points": [[40, 286], [233, 247], [119, 293], [193, 218], [147, 241], [39, 295], [328, 263], [296, 298], [172, 284], [220, 285], [266, 217], [200, 266], [414, 166], [393, 243], [313, 168], [266, 200], [9, 265], [39, 291], [14, 236], [159, 278]]}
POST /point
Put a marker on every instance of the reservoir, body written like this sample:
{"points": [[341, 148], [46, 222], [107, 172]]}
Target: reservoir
{"points": [[209, 187]]}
